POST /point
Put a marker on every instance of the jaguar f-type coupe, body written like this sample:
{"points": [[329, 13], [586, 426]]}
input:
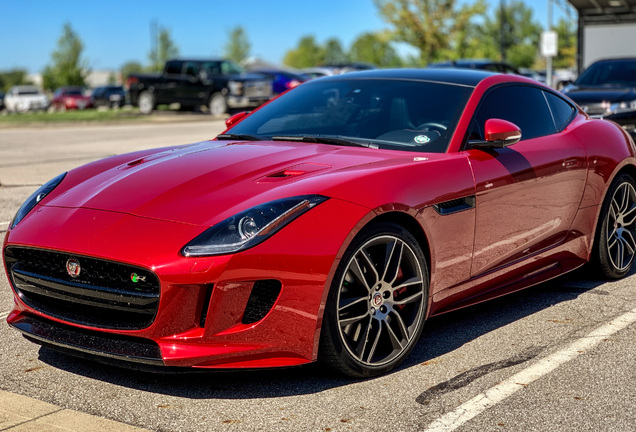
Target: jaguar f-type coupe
{"points": [[327, 225]]}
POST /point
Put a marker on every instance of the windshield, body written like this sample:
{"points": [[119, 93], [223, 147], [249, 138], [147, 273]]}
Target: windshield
{"points": [[617, 73], [382, 113]]}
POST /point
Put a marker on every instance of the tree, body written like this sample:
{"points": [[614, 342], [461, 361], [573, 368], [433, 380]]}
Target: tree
{"points": [[429, 25], [512, 35], [11, 78], [334, 53], [165, 50], [567, 38], [307, 54], [68, 67], [238, 46], [376, 49]]}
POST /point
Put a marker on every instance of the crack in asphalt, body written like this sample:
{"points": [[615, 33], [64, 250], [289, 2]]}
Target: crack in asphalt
{"points": [[465, 378]]}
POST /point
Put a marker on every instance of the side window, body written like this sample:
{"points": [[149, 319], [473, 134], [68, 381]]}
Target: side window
{"points": [[562, 111], [192, 69], [173, 68], [522, 105]]}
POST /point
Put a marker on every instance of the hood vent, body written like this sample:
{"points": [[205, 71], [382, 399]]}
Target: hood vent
{"points": [[293, 172]]}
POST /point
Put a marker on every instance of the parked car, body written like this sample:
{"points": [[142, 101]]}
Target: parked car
{"points": [[607, 89], [23, 98], [326, 225], [217, 84], [1, 101], [70, 98], [111, 96], [318, 72], [282, 80], [481, 64]]}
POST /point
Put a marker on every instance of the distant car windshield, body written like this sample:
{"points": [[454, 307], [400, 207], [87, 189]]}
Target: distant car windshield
{"points": [[616, 73], [28, 91], [384, 113], [74, 92]]}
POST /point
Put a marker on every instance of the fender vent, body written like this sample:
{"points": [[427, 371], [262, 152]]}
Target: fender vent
{"points": [[264, 295]]}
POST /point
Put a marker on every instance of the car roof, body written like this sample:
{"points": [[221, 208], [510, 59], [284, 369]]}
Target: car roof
{"points": [[466, 77]]}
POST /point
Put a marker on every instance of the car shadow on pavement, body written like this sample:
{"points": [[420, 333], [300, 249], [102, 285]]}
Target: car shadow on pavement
{"points": [[441, 335]]}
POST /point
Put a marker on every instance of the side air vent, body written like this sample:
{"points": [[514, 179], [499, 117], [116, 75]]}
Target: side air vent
{"points": [[454, 206], [264, 295]]}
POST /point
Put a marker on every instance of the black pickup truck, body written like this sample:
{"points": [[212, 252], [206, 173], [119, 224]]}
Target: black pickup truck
{"points": [[217, 84]]}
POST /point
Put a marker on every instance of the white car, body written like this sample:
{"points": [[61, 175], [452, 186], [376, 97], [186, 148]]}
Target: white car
{"points": [[25, 98]]}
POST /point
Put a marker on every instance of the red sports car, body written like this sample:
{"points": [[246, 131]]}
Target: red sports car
{"points": [[70, 97], [326, 225]]}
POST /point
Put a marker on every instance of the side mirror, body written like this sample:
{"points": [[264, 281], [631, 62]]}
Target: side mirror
{"points": [[498, 133], [235, 119]]}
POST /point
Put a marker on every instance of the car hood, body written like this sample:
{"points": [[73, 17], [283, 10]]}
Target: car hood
{"points": [[208, 182], [589, 95]]}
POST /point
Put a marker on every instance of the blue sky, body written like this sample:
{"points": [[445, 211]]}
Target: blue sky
{"points": [[117, 31]]}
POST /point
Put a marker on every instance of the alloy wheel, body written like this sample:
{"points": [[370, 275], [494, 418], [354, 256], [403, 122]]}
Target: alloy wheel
{"points": [[621, 227], [381, 300]]}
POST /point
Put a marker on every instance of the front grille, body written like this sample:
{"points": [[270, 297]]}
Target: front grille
{"points": [[258, 89], [102, 294], [595, 109]]}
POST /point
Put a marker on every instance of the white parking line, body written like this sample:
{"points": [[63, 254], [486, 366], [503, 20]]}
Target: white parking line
{"points": [[4, 315], [494, 395]]}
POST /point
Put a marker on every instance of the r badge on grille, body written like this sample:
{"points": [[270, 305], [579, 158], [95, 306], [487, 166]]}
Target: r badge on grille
{"points": [[73, 267]]}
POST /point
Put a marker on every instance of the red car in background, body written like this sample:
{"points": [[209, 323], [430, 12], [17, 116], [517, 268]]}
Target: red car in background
{"points": [[70, 97], [328, 224]]}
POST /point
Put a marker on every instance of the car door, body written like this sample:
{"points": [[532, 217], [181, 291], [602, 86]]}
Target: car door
{"points": [[527, 194]]}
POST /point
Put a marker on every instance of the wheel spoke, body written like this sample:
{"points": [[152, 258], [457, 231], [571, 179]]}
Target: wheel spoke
{"points": [[352, 320], [405, 332], [396, 342], [347, 303], [363, 341], [359, 274], [408, 299], [409, 282], [375, 342], [393, 262], [370, 266]]}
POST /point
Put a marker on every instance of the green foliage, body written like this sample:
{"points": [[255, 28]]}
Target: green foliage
{"points": [[11, 78], [165, 50], [68, 67], [376, 49], [512, 35], [334, 53], [567, 38], [237, 48], [434, 27], [307, 54]]}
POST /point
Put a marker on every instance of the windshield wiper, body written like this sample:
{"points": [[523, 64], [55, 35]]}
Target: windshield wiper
{"points": [[242, 137], [336, 140]]}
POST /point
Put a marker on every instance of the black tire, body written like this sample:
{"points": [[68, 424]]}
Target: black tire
{"points": [[217, 105], [376, 304], [146, 102], [615, 239]]}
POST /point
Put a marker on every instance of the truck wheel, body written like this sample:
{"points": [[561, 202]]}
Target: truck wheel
{"points": [[217, 105], [146, 102]]}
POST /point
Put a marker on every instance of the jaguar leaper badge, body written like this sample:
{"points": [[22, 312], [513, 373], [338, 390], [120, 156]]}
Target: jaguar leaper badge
{"points": [[73, 267]]}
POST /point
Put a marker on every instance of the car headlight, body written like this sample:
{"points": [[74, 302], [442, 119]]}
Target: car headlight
{"points": [[250, 227], [37, 196], [622, 106]]}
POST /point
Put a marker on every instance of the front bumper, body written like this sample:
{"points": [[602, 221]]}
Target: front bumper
{"points": [[213, 312]]}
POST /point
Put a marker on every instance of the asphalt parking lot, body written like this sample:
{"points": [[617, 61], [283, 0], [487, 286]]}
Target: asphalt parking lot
{"points": [[556, 357]]}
